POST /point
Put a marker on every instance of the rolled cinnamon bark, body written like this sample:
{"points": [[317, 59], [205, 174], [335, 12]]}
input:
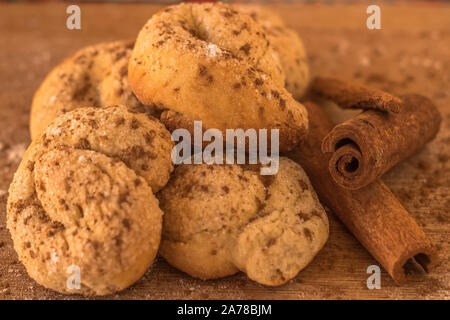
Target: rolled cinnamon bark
{"points": [[366, 146], [373, 214], [350, 95]]}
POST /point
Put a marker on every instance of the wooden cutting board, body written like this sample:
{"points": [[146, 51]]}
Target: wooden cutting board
{"points": [[409, 54]]}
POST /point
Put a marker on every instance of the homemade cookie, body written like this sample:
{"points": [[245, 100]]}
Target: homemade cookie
{"points": [[83, 199], [209, 62], [94, 76], [287, 45], [219, 219]]}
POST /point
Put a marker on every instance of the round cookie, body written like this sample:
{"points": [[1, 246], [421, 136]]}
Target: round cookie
{"points": [[82, 200], [287, 45], [94, 76], [209, 62], [219, 219]]}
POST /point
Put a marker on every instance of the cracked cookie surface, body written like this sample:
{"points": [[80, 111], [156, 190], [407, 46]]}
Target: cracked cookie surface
{"points": [[220, 219], [79, 198]]}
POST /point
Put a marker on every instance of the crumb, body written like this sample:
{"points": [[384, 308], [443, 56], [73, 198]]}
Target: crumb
{"points": [[212, 50]]}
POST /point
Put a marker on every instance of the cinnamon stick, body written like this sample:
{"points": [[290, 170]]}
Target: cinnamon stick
{"points": [[366, 146], [373, 214], [350, 95]]}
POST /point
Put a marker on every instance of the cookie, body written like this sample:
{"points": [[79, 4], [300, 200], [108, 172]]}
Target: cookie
{"points": [[221, 219], [94, 76], [209, 62], [83, 197], [286, 44]]}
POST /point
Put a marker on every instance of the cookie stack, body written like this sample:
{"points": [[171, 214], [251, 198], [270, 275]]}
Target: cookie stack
{"points": [[97, 190]]}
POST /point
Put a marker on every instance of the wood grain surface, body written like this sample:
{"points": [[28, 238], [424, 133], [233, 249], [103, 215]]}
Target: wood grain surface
{"points": [[410, 54]]}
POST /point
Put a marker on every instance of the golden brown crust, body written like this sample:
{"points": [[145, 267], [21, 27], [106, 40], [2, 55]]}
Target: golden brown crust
{"points": [[79, 199], [220, 219], [287, 45], [211, 63], [137, 139], [94, 76]]}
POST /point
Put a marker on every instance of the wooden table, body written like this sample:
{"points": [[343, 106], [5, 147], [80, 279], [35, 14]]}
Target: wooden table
{"points": [[409, 54]]}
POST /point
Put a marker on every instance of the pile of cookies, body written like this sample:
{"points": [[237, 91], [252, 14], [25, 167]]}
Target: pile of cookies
{"points": [[97, 188]]}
